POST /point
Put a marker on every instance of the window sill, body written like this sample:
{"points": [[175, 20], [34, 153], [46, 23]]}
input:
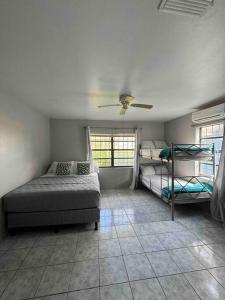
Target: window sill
{"points": [[119, 167]]}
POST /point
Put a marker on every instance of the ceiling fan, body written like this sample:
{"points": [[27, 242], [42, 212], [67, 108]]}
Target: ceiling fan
{"points": [[126, 101]]}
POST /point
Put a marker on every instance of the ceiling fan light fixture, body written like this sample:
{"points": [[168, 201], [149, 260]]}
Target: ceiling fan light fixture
{"points": [[123, 111], [124, 98]]}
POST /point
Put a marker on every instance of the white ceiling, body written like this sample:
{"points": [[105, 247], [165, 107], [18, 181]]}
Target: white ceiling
{"points": [[65, 57]]}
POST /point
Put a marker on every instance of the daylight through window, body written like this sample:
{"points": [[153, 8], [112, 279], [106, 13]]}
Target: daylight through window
{"points": [[211, 134], [113, 151]]}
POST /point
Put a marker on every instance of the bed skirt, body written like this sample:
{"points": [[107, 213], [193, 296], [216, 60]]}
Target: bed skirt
{"points": [[33, 219]]}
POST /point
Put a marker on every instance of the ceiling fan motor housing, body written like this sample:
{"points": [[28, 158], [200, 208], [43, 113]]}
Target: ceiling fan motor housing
{"points": [[125, 100]]}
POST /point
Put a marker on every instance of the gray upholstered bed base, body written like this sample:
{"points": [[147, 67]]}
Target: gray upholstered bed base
{"points": [[54, 200], [32, 219]]}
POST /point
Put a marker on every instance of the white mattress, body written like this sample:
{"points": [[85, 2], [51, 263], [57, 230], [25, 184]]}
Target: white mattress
{"points": [[155, 184]]}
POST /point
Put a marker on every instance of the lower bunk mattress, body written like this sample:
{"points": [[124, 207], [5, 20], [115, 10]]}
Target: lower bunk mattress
{"points": [[184, 192]]}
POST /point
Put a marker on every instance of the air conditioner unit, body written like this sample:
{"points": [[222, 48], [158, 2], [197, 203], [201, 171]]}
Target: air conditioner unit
{"points": [[209, 114], [186, 7]]}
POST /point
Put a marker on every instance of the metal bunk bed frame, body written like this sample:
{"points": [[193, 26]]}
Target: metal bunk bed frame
{"points": [[190, 156]]}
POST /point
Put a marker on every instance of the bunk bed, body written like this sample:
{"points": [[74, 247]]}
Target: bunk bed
{"points": [[160, 174]]}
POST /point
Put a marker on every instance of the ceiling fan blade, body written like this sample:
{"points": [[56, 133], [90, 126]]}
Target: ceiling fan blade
{"points": [[130, 98], [146, 106], [122, 111], [110, 105]]}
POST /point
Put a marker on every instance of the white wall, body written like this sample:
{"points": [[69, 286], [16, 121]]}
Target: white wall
{"points": [[24, 145], [68, 143], [181, 131]]}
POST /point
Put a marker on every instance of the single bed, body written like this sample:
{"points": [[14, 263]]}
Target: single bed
{"points": [[184, 192], [54, 200], [186, 189]]}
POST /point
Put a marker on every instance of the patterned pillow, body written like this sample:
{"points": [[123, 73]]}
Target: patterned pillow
{"points": [[83, 168], [64, 168]]}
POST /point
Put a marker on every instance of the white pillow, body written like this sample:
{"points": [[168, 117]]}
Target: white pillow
{"points": [[147, 170], [161, 170], [147, 145], [146, 153], [94, 167], [52, 168], [160, 144], [74, 170]]}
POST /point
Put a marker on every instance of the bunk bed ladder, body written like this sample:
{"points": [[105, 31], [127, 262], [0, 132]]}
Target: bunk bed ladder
{"points": [[214, 162], [172, 183]]}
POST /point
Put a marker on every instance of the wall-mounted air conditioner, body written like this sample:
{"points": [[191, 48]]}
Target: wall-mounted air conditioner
{"points": [[186, 7], [209, 114]]}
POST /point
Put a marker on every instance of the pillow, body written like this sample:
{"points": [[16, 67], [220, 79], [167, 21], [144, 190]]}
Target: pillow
{"points": [[64, 168], [74, 170], [83, 168], [161, 170], [52, 168], [94, 167], [146, 153], [160, 144], [147, 170], [147, 145]]}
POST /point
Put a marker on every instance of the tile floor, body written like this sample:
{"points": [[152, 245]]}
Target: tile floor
{"points": [[137, 253]]}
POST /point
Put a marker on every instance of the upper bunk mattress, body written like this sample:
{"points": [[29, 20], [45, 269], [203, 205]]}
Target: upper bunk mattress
{"points": [[53, 193], [187, 152]]}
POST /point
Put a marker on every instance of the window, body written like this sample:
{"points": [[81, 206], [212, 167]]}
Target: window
{"points": [[113, 151], [207, 135]]}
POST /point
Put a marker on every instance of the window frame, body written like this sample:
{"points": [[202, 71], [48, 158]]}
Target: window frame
{"points": [[200, 138], [112, 149]]}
